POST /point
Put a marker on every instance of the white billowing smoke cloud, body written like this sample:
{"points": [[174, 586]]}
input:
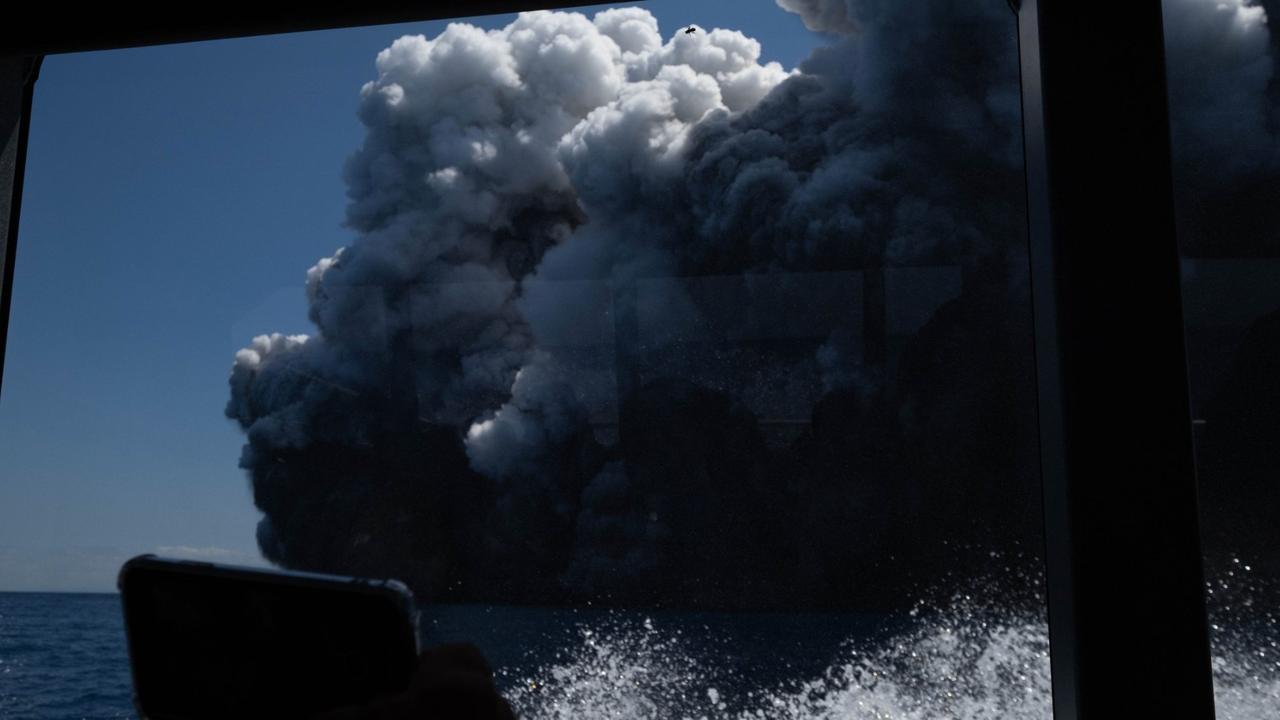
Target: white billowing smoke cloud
{"points": [[249, 361], [465, 180], [624, 159], [540, 415], [501, 166], [706, 164], [460, 188], [829, 16]]}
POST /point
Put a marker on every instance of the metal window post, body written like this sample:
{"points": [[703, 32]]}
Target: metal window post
{"points": [[1127, 623], [17, 84]]}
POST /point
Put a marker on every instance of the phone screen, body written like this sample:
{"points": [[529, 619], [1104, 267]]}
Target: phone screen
{"points": [[222, 644]]}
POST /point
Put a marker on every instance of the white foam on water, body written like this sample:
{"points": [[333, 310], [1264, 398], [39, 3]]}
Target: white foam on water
{"points": [[965, 662], [617, 671], [1244, 688], [1245, 631]]}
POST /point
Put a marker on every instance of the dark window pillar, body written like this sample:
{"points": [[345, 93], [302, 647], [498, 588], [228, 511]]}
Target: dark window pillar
{"points": [[1126, 592], [17, 80]]}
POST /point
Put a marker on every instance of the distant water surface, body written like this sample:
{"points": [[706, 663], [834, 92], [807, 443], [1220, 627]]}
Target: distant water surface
{"points": [[63, 656]]}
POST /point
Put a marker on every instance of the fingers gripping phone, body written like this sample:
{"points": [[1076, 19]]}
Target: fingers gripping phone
{"points": [[217, 641]]}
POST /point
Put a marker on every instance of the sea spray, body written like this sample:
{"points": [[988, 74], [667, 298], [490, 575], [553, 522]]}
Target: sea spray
{"points": [[1244, 627], [620, 669], [969, 655], [956, 664]]}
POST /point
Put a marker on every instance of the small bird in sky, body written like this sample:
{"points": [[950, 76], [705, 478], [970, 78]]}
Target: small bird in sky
{"points": [[691, 29]]}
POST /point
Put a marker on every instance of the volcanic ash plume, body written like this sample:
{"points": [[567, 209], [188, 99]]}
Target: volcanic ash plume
{"points": [[540, 369], [460, 189]]}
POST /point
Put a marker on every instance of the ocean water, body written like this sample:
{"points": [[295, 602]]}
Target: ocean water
{"points": [[63, 656]]}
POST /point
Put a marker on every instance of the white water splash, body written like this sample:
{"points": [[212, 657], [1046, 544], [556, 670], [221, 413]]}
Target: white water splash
{"points": [[617, 672], [964, 662], [1244, 625], [984, 670], [1246, 686]]}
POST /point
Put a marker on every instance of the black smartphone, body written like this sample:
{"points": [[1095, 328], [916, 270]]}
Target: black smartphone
{"points": [[217, 641]]}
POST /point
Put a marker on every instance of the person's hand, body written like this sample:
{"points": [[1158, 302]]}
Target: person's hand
{"points": [[452, 682]]}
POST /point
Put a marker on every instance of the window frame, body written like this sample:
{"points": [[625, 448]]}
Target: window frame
{"points": [[1127, 624]]}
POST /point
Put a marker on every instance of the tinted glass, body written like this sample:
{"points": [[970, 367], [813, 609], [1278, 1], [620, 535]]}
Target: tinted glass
{"points": [[1224, 108], [680, 356]]}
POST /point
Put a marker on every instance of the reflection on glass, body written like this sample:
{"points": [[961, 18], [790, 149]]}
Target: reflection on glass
{"points": [[1224, 109]]}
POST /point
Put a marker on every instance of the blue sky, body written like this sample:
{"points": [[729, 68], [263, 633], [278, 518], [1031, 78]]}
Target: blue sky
{"points": [[175, 197]]}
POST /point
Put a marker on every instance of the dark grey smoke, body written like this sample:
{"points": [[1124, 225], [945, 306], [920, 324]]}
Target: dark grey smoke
{"points": [[1225, 112], [1224, 106], [613, 325]]}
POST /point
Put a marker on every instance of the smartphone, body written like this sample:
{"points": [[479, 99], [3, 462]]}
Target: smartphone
{"points": [[217, 641]]}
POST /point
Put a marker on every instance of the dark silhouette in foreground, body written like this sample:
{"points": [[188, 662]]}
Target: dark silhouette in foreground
{"points": [[453, 682]]}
